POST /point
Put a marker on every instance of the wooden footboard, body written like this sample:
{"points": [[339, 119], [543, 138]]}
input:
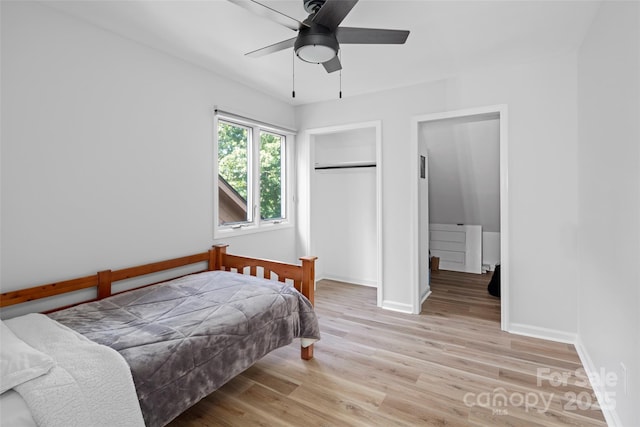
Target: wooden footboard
{"points": [[301, 276]]}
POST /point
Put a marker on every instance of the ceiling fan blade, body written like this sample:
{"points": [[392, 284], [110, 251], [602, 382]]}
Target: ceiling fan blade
{"points": [[332, 65], [333, 12], [269, 13], [370, 36], [276, 47]]}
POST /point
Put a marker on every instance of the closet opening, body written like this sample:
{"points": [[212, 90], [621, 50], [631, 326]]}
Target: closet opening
{"points": [[345, 204]]}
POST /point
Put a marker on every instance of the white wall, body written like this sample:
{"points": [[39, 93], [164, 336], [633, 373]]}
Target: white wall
{"points": [[464, 171], [343, 208], [348, 146], [106, 151], [541, 98], [609, 205], [490, 249], [344, 225]]}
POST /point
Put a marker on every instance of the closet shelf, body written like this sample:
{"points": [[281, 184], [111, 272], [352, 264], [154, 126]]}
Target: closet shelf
{"points": [[345, 165]]}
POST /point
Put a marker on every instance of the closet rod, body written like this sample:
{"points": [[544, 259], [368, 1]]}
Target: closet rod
{"points": [[345, 166]]}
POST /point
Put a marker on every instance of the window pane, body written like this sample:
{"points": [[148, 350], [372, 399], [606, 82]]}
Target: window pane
{"points": [[233, 173], [271, 176]]}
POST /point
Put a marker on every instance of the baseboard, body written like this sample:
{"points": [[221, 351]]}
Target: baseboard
{"points": [[350, 280], [397, 306], [610, 414], [425, 295], [543, 333]]}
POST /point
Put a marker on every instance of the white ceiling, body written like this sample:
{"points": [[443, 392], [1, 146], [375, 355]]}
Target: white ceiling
{"points": [[447, 37]]}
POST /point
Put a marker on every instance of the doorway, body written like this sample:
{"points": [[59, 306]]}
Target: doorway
{"points": [[345, 203], [421, 215]]}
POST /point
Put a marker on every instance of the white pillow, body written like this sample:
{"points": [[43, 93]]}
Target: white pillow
{"points": [[19, 362]]}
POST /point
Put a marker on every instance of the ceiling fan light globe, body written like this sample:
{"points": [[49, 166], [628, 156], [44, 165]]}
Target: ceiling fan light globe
{"points": [[316, 53]]}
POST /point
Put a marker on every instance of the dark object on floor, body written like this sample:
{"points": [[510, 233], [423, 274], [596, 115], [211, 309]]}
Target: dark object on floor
{"points": [[435, 263], [494, 284]]}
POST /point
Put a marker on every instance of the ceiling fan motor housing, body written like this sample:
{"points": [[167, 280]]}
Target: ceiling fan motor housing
{"points": [[321, 39]]}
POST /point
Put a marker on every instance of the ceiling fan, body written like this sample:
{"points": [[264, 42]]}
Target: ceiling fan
{"points": [[319, 36]]}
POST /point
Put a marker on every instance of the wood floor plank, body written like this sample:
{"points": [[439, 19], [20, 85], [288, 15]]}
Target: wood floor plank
{"points": [[451, 365]]}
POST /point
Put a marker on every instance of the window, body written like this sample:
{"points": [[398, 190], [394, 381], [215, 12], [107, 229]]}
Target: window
{"points": [[251, 185]]}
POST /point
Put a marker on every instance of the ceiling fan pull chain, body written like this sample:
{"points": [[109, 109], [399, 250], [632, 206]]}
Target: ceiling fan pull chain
{"points": [[340, 55], [293, 72]]}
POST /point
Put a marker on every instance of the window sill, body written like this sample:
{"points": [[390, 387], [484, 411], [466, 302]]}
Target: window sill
{"points": [[221, 233]]}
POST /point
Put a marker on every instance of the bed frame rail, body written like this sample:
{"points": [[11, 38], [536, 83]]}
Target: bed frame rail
{"points": [[102, 281], [302, 276], [49, 290]]}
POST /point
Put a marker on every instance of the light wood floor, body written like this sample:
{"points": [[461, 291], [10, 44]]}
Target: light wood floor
{"points": [[451, 365]]}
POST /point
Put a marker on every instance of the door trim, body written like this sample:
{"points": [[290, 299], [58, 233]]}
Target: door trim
{"points": [[502, 112]]}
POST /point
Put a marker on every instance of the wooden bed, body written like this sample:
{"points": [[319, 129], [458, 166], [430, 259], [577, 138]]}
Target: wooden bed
{"points": [[173, 342], [302, 277]]}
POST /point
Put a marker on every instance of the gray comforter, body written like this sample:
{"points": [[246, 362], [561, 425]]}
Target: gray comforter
{"points": [[185, 338]]}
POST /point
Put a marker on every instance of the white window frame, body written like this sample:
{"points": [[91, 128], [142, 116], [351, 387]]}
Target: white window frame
{"points": [[256, 225]]}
